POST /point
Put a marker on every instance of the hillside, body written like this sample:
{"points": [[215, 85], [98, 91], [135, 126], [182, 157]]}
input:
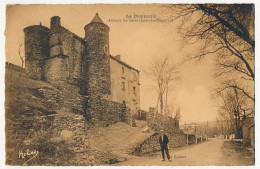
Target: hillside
{"points": [[23, 94], [36, 120], [26, 101], [119, 138]]}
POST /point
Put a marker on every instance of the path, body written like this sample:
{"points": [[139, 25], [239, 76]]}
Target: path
{"points": [[214, 152]]}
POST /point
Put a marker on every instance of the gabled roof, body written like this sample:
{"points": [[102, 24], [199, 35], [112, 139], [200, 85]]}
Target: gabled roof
{"points": [[96, 19], [123, 63]]}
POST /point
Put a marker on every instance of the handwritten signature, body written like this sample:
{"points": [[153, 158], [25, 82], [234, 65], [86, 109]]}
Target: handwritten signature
{"points": [[28, 153]]}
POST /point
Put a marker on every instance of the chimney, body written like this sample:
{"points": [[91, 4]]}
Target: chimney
{"points": [[55, 22]]}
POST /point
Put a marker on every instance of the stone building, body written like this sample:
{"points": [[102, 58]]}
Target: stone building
{"points": [[93, 82], [124, 83]]}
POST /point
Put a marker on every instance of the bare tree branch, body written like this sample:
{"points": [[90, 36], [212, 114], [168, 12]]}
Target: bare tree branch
{"points": [[163, 73], [20, 55]]}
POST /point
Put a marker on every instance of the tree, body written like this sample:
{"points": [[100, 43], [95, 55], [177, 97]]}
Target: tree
{"points": [[177, 114], [162, 73], [177, 117], [225, 31], [234, 107], [205, 21], [225, 125], [22, 57]]}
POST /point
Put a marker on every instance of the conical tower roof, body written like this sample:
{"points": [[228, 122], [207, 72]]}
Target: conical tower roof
{"points": [[96, 19]]}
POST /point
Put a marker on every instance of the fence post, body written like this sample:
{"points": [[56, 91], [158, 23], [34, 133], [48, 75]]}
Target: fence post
{"points": [[187, 139]]}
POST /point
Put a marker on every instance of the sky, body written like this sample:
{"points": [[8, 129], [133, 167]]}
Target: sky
{"points": [[137, 43]]}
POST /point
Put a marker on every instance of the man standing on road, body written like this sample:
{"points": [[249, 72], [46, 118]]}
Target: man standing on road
{"points": [[163, 140]]}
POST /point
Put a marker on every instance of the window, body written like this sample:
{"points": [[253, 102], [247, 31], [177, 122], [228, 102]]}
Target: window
{"points": [[134, 90], [133, 75], [123, 86], [123, 70]]}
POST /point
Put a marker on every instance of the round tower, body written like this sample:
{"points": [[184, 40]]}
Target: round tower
{"points": [[98, 57], [36, 45]]}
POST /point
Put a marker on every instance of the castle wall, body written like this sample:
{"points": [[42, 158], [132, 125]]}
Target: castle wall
{"points": [[81, 69], [66, 57], [72, 100], [123, 82], [73, 47], [65, 68], [56, 70], [14, 67]]}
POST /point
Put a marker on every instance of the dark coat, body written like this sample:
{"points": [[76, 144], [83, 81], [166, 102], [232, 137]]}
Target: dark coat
{"points": [[165, 140]]}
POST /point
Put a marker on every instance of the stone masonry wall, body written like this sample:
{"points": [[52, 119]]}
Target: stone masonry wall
{"points": [[56, 71], [98, 60], [66, 53], [72, 100], [59, 139], [103, 112], [74, 47], [151, 144]]}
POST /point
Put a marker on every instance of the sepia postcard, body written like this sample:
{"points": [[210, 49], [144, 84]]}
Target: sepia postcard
{"points": [[130, 85]]}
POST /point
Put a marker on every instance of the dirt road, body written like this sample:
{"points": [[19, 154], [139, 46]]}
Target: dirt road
{"points": [[213, 152]]}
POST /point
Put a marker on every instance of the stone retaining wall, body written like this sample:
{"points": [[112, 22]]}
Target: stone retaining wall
{"points": [[151, 144], [103, 112]]}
